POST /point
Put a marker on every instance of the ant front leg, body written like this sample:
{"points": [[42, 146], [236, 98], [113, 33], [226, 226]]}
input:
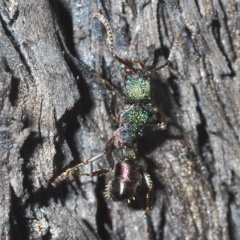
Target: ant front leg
{"points": [[110, 88]]}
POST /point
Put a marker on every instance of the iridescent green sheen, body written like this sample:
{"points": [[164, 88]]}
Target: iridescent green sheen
{"points": [[130, 154], [135, 119], [137, 116], [137, 89]]}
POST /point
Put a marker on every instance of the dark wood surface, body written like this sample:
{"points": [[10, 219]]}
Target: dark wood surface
{"points": [[53, 116]]}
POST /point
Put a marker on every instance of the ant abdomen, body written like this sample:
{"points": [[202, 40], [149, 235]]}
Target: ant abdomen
{"points": [[127, 176]]}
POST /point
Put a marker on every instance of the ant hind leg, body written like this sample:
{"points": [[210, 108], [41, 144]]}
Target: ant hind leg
{"points": [[74, 170], [150, 195], [100, 172]]}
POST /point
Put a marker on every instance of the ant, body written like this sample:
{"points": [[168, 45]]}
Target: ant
{"points": [[137, 92]]}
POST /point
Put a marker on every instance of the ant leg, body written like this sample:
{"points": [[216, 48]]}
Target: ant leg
{"points": [[100, 172], [110, 88], [172, 50], [78, 63], [110, 160], [110, 38], [83, 68], [163, 124], [73, 170], [97, 173], [150, 192], [149, 195]]}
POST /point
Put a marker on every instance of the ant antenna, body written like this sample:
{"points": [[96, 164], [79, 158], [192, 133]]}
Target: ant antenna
{"points": [[172, 50], [108, 29], [71, 171], [110, 37]]}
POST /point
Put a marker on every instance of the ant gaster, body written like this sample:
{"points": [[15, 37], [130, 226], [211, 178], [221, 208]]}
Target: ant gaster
{"points": [[136, 91]]}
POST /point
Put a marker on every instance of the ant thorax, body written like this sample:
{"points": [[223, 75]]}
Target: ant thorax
{"points": [[131, 124]]}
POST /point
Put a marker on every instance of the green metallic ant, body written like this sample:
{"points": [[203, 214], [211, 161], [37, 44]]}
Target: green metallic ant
{"points": [[137, 95]]}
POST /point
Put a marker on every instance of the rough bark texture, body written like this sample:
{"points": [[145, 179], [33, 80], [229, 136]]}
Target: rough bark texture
{"points": [[53, 116]]}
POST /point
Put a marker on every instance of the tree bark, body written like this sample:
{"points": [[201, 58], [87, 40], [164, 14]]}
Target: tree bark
{"points": [[53, 116]]}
